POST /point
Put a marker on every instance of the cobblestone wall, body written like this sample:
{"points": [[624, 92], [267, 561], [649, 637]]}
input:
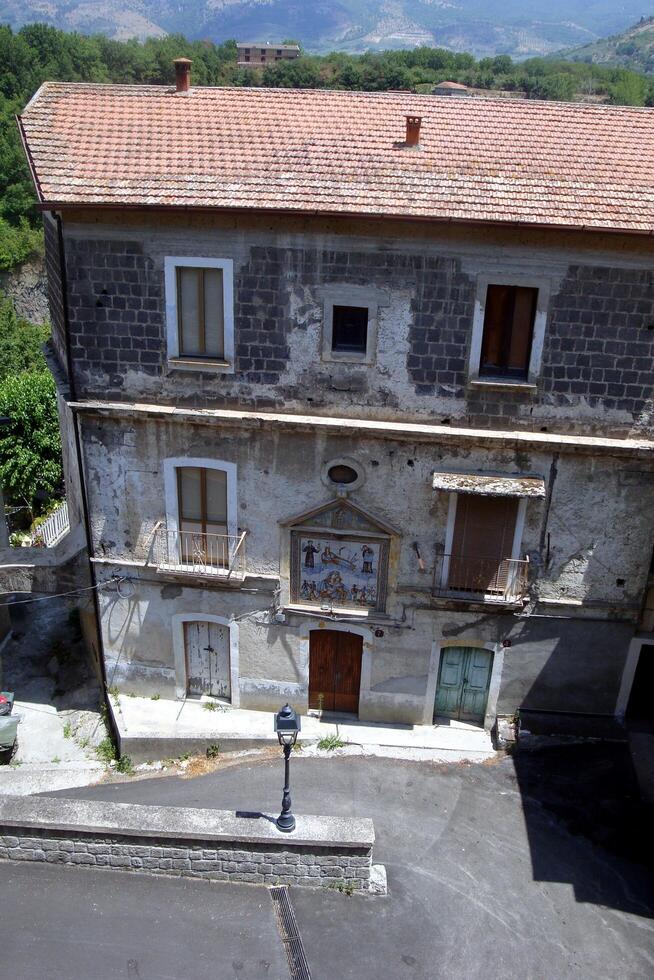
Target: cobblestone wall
{"points": [[263, 864]]}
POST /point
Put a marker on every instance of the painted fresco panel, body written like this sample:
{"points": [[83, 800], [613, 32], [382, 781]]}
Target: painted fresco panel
{"points": [[339, 570]]}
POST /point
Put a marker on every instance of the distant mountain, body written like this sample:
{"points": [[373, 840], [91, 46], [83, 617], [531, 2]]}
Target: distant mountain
{"points": [[633, 48], [521, 28]]}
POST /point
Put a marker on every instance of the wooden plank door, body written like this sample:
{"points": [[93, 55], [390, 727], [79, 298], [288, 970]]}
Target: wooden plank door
{"points": [[207, 659], [476, 681], [463, 682], [335, 670], [323, 651], [484, 528], [450, 682], [347, 680]]}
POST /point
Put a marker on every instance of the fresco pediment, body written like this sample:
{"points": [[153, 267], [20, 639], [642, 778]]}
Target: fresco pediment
{"points": [[343, 515]]}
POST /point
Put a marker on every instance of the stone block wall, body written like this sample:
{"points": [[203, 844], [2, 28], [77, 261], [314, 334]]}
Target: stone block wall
{"points": [[599, 342], [598, 349], [116, 311], [322, 851], [267, 865]]}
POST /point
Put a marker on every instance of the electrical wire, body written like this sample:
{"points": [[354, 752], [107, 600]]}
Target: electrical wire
{"points": [[60, 595]]}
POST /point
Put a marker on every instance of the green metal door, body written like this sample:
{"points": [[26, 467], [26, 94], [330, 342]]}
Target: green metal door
{"points": [[463, 681]]}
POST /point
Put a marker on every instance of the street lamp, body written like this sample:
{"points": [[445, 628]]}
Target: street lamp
{"points": [[287, 725]]}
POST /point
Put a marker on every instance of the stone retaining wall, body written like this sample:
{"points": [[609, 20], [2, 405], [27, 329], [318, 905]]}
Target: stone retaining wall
{"points": [[213, 844]]}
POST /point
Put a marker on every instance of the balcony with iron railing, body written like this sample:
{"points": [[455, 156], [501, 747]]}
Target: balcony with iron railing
{"points": [[197, 553], [477, 579]]}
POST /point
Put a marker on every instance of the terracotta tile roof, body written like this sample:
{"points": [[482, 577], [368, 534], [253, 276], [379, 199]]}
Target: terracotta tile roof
{"points": [[542, 163]]}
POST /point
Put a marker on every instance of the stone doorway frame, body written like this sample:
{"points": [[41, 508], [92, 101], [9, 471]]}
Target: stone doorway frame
{"points": [[179, 651], [497, 649]]}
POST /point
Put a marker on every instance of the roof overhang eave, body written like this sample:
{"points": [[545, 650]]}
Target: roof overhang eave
{"points": [[30, 161], [46, 205]]}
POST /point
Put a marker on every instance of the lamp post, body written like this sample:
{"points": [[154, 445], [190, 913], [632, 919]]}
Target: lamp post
{"points": [[287, 725]]}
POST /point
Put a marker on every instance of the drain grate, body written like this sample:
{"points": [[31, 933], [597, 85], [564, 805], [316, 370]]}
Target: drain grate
{"points": [[298, 967]]}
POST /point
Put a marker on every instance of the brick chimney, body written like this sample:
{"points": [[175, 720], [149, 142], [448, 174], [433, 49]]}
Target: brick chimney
{"points": [[182, 75], [413, 130]]}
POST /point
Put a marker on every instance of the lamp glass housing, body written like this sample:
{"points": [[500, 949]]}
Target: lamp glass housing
{"points": [[287, 725]]}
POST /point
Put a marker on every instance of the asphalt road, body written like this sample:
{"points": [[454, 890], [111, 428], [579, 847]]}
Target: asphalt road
{"points": [[532, 867]]}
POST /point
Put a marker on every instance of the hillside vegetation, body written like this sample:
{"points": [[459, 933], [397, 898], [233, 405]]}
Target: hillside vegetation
{"points": [[38, 53], [520, 28], [633, 49]]}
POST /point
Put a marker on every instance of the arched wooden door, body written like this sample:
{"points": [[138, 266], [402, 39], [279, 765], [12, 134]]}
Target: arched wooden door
{"points": [[335, 670]]}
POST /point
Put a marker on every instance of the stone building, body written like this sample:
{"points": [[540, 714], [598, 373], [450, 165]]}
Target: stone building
{"points": [[362, 385]]}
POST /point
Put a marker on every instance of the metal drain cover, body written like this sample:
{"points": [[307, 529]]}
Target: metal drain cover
{"points": [[298, 967]]}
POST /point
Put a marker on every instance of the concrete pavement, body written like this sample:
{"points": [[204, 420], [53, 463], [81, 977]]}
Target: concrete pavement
{"points": [[158, 729], [60, 923], [534, 866]]}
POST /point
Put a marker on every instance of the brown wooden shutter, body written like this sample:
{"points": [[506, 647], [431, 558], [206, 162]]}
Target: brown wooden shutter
{"points": [[483, 539]]}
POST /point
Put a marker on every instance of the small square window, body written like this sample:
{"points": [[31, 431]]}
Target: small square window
{"points": [[350, 329], [508, 331]]}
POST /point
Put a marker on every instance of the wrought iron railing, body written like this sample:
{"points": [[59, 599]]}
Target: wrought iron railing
{"points": [[204, 554], [489, 579], [53, 528]]}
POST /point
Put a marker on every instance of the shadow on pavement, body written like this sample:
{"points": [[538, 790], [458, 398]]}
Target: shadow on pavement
{"points": [[589, 789]]}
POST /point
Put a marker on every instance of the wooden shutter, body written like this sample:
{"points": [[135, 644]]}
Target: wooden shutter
{"points": [[483, 539]]}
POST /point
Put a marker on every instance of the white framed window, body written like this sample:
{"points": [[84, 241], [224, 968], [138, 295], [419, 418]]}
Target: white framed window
{"points": [[200, 313], [350, 323], [508, 330], [200, 496]]}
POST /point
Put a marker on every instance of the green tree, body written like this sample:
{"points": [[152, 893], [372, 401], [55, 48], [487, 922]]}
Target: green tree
{"points": [[17, 243], [629, 89], [30, 444], [20, 342]]}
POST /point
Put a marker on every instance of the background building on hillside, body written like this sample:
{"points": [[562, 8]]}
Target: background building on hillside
{"points": [[260, 54]]}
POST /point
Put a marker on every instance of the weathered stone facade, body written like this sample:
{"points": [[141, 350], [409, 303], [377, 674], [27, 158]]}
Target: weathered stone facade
{"points": [[284, 412], [598, 345]]}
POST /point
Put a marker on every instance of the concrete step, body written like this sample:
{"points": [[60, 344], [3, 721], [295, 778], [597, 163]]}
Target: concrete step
{"points": [[151, 730]]}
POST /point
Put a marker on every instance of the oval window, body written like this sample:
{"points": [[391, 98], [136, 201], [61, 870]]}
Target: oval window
{"points": [[342, 474]]}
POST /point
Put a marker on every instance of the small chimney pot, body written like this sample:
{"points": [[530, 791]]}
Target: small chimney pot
{"points": [[413, 130], [182, 75]]}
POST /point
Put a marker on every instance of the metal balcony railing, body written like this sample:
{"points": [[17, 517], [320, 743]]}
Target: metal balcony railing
{"points": [[488, 579], [203, 554]]}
